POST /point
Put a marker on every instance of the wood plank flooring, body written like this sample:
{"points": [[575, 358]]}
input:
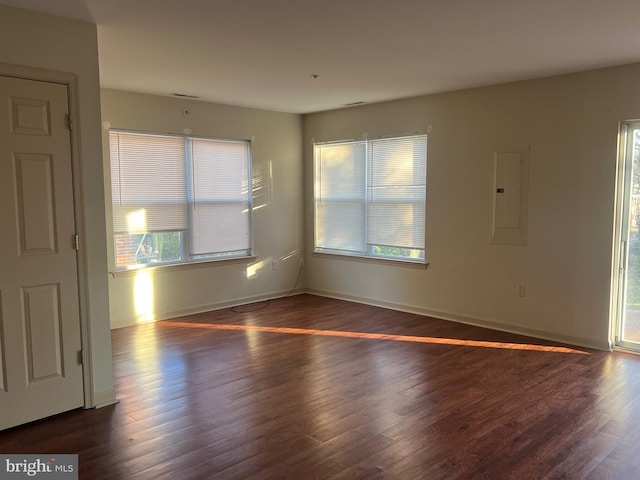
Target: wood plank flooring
{"points": [[315, 388]]}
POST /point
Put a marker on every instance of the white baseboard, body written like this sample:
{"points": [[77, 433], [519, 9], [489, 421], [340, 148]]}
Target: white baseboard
{"points": [[104, 399], [467, 320], [205, 308]]}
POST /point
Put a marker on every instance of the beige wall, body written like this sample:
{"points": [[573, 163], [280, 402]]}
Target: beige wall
{"points": [[41, 41], [570, 125], [277, 216]]}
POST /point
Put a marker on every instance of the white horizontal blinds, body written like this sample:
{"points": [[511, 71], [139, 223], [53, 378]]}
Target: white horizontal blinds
{"points": [[221, 196], [397, 192], [114, 158], [147, 182], [340, 196]]}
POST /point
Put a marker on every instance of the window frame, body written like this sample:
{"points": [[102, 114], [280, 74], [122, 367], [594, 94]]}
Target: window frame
{"points": [[187, 257], [368, 252]]}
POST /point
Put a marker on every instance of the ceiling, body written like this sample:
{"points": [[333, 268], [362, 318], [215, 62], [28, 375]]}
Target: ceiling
{"points": [[265, 53]]}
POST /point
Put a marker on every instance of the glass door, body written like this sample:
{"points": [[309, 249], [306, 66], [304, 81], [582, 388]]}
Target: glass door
{"points": [[628, 301]]}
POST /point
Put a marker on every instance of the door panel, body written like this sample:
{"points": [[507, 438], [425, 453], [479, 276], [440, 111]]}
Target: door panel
{"points": [[30, 116], [34, 192], [40, 370], [41, 324]]}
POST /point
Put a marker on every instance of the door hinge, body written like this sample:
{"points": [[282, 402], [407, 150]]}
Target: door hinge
{"points": [[69, 121], [76, 240], [81, 357]]}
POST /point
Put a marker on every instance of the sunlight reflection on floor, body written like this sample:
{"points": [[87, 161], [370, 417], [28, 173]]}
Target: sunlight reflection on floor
{"points": [[377, 336]]}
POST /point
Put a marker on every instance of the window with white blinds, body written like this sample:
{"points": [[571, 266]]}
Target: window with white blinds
{"points": [[370, 197], [221, 203], [178, 199]]}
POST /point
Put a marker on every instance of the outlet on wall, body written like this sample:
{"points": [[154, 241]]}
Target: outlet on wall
{"points": [[274, 264], [521, 290]]}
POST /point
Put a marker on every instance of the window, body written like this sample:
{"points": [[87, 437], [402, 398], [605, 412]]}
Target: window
{"points": [[179, 199], [370, 197]]}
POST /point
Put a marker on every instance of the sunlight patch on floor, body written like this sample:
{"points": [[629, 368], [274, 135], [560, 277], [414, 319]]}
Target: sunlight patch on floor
{"points": [[377, 336]]}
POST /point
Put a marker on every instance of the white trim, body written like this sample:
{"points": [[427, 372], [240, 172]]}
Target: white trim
{"points": [[630, 351], [619, 253], [422, 264], [71, 81], [615, 291], [168, 267], [106, 398], [467, 320]]}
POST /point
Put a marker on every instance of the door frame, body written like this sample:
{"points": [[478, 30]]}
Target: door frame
{"points": [[70, 80], [619, 253]]}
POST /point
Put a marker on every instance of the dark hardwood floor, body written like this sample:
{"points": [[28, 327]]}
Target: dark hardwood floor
{"points": [[314, 388]]}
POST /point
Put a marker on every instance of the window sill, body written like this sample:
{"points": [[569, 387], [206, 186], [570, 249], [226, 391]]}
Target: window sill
{"points": [[379, 260], [181, 266]]}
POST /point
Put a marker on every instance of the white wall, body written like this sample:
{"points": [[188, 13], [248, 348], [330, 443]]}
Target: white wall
{"points": [[41, 41], [570, 123], [277, 218]]}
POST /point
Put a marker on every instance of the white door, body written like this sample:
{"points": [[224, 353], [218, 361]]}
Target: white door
{"points": [[40, 341]]}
